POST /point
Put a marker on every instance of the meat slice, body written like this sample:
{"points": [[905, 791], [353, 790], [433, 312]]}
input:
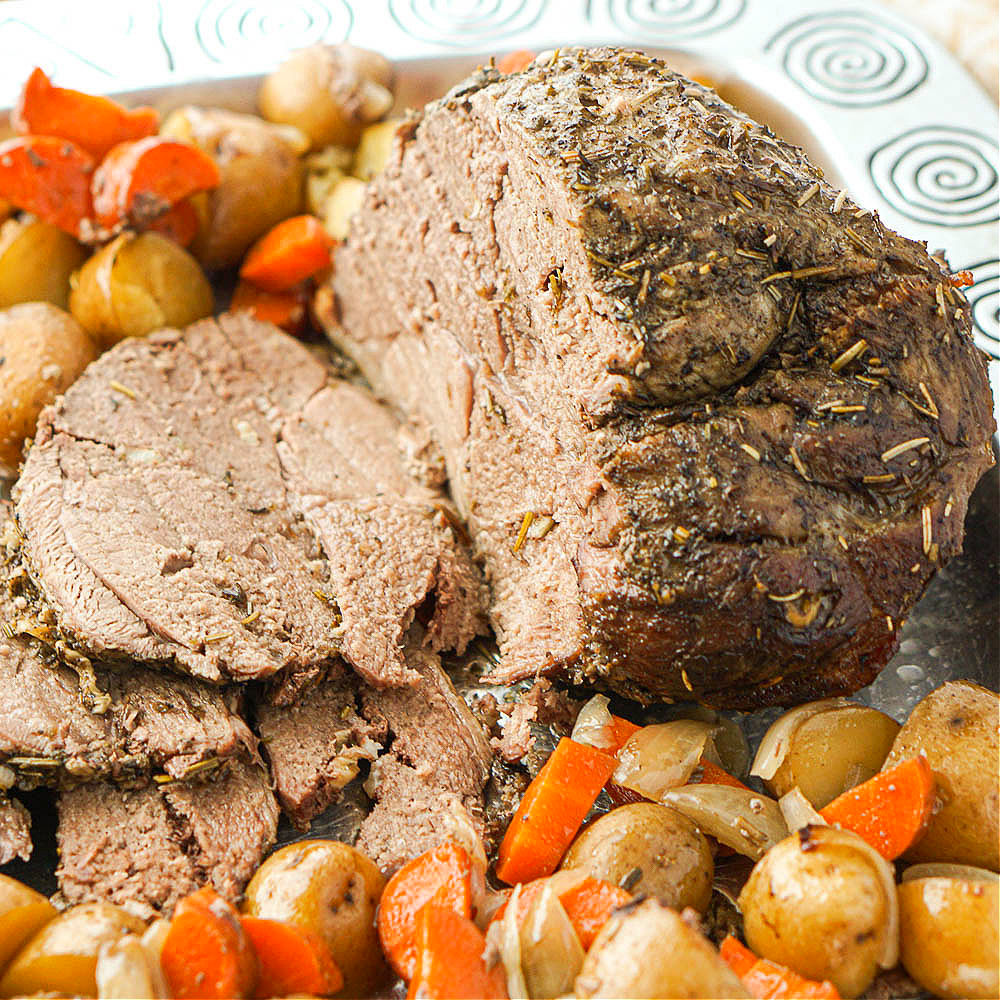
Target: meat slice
{"points": [[316, 744], [713, 428], [437, 765], [166, 518], [150, 847], [15, 830], [152, 723]]}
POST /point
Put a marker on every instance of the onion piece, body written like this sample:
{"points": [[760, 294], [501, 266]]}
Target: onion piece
{"points": [[778, 738], [551, 953], [660, 757], [946, 869], [798, 811], [740, 818], [833, 835], [593, 724], [124, 970], [505, 936]]}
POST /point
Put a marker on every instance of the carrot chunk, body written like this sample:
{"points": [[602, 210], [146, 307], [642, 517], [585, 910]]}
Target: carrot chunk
{"points": [[712, 774], [93, 123], [551, 811], [737, 955], [206, 953], [590, 904], [139, 181], [49, 177], [291, 252], [291, 960], [514, 62], [179, 224], [891, 810], [450, 963], [621, 731], [284, 309], [768, 980], [442, 875]]}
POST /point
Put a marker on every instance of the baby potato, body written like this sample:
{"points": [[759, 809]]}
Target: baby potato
{"points": [[330, 92], [374, 147], [36, 260], [342, 202], [137, 284], [949, 937], [820, 903], [332, 889], [824, 748], [22, 912], [44, 350], [62, 956], [955, 727], [666, 848], [649, 951], [260, 179]]}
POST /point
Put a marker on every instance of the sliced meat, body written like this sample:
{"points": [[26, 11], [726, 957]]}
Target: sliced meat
{"points": [[153, 723], [15, 830], [542, 704], [438, 758], [149, 848], [162, 513], [315, 744], [713, 428]]}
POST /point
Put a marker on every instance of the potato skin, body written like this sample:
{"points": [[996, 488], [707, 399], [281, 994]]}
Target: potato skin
{"points": [[672, 854], [260, 184], [647, 950], [332, 889], [36, 261], [819, 908], [62, 956], [949, 937], [955, 727], [44, 350]]}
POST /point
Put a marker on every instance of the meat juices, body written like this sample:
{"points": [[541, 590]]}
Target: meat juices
{"points": [[713, 428]]}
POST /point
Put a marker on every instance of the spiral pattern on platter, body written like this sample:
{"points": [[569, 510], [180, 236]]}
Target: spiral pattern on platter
{"points": [[465, 23], [673, 20], [230, 30], [984, 298], [850, 59], [939, 174]]}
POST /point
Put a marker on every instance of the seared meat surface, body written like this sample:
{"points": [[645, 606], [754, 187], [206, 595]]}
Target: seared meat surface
{"points": [[712, 426], [15, 830], [206, 500]]}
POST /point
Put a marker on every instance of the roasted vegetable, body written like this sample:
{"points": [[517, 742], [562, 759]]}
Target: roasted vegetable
{"points": [[333, 890], [330, 92], [323, 170], [823, 903], [374, 148], [956, 728], [22, 912], [137, 284], [652, 849], [949, 936], [287, 255], [44, 350], [62, 956], [656, 758], [341, 203], [649, 951], [260, 179], [36, 260], [824, 748]]}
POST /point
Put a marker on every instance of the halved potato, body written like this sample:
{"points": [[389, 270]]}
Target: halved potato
{"points": [[824, 748], [137, 284], [22, 912], [36, 261]]}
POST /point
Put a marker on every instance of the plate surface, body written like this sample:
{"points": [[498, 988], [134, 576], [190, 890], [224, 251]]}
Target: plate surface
{"points": [[871, 98]]}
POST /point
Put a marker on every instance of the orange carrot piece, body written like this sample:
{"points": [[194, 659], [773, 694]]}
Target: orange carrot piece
{"points": [[737, 955], [891, 810], [551, 811], [589, 904], [49, 177], [962, 279], [180, 223], [284, 309], [291, 960], [139, 181], [514, 62], [768, 980], [621, 731], [712, 774], [93, 123], [206, 954], [442, 875], [291, 252], [449, 960]]}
